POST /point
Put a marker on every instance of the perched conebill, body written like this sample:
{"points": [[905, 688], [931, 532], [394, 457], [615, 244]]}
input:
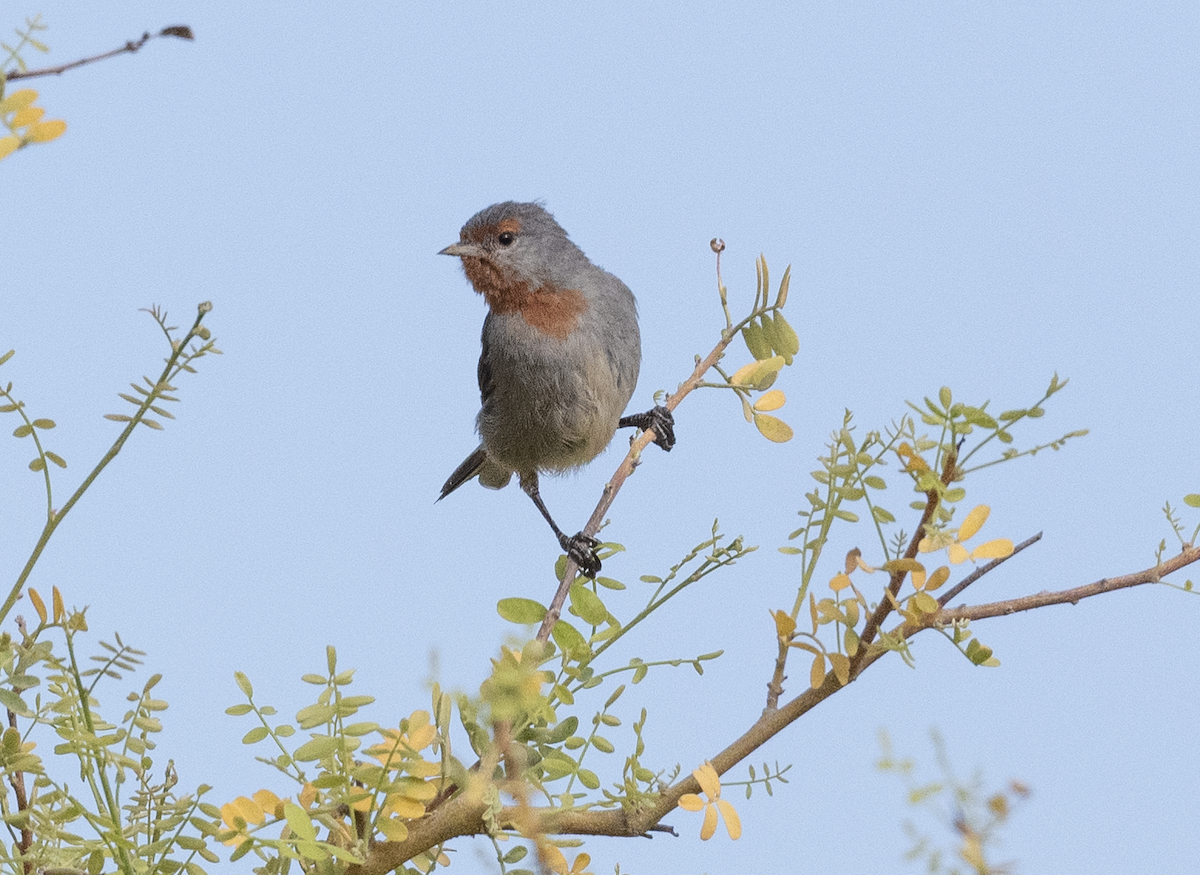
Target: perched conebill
{"points": [[560, 358]]}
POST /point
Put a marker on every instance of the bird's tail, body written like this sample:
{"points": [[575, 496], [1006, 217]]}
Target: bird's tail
{"points": [[477, 465]]}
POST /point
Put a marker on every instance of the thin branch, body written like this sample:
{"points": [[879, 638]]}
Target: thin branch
{"points": [[984, 569], [628, 464], [775, 686], [180, 31], [1069, 596]]}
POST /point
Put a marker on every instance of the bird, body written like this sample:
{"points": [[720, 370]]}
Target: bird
{"points": [[559, 361]]}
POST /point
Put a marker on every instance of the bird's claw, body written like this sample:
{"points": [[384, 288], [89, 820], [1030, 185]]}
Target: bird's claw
{"points": [[581, 549], [659, 419], [663, 424]]}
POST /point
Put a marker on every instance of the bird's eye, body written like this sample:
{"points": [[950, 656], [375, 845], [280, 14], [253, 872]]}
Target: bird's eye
{"points": [[506, 238]]}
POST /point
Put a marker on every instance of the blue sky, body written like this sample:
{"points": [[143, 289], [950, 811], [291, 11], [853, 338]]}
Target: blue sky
{"points": [[972, 195]]}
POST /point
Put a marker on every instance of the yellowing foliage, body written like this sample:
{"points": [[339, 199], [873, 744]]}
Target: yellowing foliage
{"points": [[710, 785], [24, 122]]}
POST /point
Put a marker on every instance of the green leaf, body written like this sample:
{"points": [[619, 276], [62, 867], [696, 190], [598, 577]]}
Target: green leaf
{"points": [[320, 746], [238, 710], [613, 698], [609, 583], [516, 855], [523, 611], [781, 298], [602, 744], [588, 779], [772, 428], [243, 683], [37, 464], [14, 703], [23, 430], [875, 482], [1192, 500], [563, 730], [588, 606], [756, 341], [785, 337], [880, 515], [569, 639]]}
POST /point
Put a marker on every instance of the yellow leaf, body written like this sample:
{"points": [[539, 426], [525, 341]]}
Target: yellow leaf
{"points": [[553, 858], [957, 553], [840, 582], [18, 100], [60, 612], [710, 823], [421, 737], [817, 676], [8, 145], [784, 625], [422, 768], [863, 565], [996, 549], [404, 807], [918, 579], [902, 564], [937, 578], [690, 802], [925, 603], [393, 830], [759, 374], [733, 823], [229, 814], [268, 801], [710, 783], [974, 522], [44, 132], [249, 810], [808, 648], [308, 795], [772, 400], [742, 374], [773, 429], [38, 604], [27, 116], [912, 461], [841, 667]]}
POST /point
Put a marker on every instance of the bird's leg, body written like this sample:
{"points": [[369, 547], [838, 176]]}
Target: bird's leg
{"points": [[659, 419], [579, 547]]}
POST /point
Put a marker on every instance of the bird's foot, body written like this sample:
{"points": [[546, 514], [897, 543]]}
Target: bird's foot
{"points": [[660, 420], [581, 549]]}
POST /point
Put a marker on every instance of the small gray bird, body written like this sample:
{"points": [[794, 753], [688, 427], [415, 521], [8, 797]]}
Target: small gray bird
{"points": [[560, 358]]}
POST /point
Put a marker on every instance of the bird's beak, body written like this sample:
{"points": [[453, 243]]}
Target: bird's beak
{"points": [[462, 250]]}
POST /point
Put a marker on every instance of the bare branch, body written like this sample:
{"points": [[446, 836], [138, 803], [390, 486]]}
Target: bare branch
{"points": [[1069, 596], [984, 569], [180, 31]]}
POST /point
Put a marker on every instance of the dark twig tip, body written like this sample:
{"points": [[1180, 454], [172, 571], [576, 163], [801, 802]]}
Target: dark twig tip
{"points": [[182, 31]]}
